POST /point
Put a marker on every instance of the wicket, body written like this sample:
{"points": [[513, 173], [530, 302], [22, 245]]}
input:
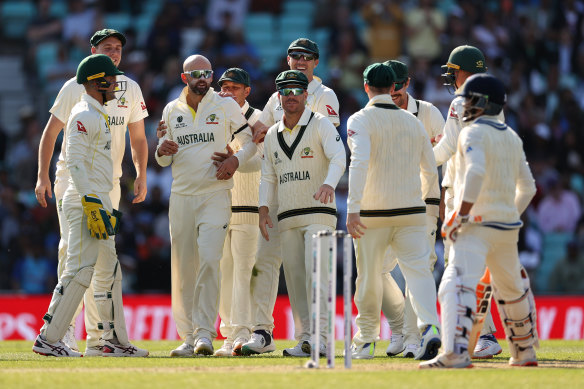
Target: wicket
{"points": [[330, 238]]}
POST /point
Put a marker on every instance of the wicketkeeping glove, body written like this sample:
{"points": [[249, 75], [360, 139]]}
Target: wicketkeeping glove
{"points": [[115, 218], [98, 219]]}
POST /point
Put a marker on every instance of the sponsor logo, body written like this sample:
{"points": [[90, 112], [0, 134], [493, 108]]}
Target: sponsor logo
{"points": [[108, 145], [122, 103], [338, 138], [212, 119], [307, 153], [143, 106], [452, 113], [81, 127], [351, 133], [277, 160], [469, 149], [331, 111], [180, 123]]}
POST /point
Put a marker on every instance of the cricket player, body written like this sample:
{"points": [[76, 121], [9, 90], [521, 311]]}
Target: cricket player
{"points": [[408, 339], [463, 62], [390, 150], [200, 123], [242, 234], [90, 218], [303, 56], [126, 112], [304, 159], [493, 186]]}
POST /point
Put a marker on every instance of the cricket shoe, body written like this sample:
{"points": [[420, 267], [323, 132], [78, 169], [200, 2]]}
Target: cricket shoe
{"points": [[297, 351], [526, 357], [396, 345], [93, 351], [261, 342], [59, 349], [184, 350], [225, 351], [411, 350], [203, 346], [487, 347], [365, 351], [307, 348], [448, 361], [238, 345], [69, 338], [430, 344], [112, 348]]}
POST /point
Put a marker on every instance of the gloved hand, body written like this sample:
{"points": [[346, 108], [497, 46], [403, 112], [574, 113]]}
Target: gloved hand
{"points": [[115, 219], [452, 226], [98, 219]]}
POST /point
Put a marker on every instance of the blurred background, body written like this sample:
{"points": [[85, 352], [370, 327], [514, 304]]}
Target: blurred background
{"points": [[534, 46]]}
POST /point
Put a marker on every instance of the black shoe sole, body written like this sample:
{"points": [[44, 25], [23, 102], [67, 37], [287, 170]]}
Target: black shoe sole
{"points": [[431, 350]]}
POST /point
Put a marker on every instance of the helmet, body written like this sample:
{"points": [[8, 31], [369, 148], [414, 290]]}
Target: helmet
{"points": [[467, 58], [485, 95], [96, 66]]}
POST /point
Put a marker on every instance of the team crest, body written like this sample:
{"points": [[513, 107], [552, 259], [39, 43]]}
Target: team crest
{"points": [[212, 119], [277, 160], [307, 153], [480, 64], [81, 128], [122, 103]]}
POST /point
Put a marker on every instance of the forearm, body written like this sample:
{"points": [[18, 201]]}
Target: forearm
{"points": [[47, 145], [139, 146]]}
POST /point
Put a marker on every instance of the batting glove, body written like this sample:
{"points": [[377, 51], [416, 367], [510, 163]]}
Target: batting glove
{"points": [[98, 219], [450, 229]]}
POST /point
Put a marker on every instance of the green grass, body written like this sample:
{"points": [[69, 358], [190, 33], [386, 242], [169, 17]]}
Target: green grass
{"points": [[561, 366]]}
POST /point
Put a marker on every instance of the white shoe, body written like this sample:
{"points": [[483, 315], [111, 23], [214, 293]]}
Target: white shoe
{"points": [[430, 344], [238, 345], [366, 351], [111, 348], [203, 346], [59, 349], [448, 361], [261, 342], [225, 350], [396, 345], [184, 350], [307, 348], [93, 351], [526, 357], [297, 350], [411, 350], [487, 347], [69, 338]]}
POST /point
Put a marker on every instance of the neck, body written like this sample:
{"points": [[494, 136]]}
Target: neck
{"points": [[96, 95], [193, 99], [292, 119], [405, 104]]}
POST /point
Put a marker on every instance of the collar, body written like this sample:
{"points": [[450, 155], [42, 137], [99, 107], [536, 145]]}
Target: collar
{"points": [[314, 84], [207, 97], [492, 121], [385, 99], [412, 106], [94, 103], [303, 120], [245, 107]]}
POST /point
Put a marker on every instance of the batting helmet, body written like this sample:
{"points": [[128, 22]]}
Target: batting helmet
{"points": [[467, 58], [96, 66], [485, 95]]}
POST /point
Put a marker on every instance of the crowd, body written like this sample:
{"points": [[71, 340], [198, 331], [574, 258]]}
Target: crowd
{"points": [[534, 47]]}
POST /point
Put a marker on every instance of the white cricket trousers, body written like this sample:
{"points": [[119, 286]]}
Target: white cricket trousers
{"points": [[411, 248], [236, 268], [198, 226], [103, 271], [297, 260], [265, 279]]}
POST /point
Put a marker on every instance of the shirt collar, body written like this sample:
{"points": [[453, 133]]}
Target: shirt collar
{"points": [[183, 95], [303, 120], [94, 103], [245, 107], [314, 84], [412, 106], [385, 99]]}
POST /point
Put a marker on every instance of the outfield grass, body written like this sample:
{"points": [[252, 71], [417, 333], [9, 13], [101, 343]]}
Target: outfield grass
{"points": [[561, 367]]}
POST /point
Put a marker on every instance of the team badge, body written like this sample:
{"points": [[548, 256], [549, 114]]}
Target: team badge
{"points": [[212, 119], [81, 128], [179, 122], [122, 103], [331, 111], [307, 153], [277, 160]]}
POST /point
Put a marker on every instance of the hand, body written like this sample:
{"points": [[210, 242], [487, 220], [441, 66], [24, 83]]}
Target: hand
{"points": [[226, 168], [98, 219], [436, 139], [326, 194], [161, 129], [140, 190], [354, 225], [225, 94], [220, 157], [265, 220], [167, 147], [115, 219], [43, 186], [259, 131], [451, 227]]}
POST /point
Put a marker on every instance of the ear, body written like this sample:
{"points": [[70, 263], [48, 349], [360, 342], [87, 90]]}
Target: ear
{"points": [[366, 87], [288, 61], [93, 50], [183, 77], [392, 88], [407, 84], [247, 91], [316, 62]]}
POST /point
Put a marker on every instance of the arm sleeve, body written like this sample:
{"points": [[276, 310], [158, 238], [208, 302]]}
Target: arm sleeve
{"points": [[267, 180], [437, 122], [328, 105], [474, 157], [525, 188], [267, 117], [68, 96], [244, 137], [429, 172], [446, 148], [80, 135], [164, 160], [360, 145], [334, 151], [138, 110]]}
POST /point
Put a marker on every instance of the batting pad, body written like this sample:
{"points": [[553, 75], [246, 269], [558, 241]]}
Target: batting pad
{"points": [[64, 305], [111, 310]]}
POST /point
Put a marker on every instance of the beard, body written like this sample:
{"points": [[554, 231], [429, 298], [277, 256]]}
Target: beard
{"points": [[200, 88]]}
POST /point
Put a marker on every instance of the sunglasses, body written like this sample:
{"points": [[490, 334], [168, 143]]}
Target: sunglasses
{"points": [[291, 91], [297, 56], [200, 73]]}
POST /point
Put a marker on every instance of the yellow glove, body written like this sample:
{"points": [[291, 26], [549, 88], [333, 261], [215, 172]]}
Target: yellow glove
{"points": [[98, 219], [115, 219]]}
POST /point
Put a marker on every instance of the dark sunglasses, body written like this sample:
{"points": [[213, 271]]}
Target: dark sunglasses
{"points": [[297, 56], [291, 91], [200, 73]]}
